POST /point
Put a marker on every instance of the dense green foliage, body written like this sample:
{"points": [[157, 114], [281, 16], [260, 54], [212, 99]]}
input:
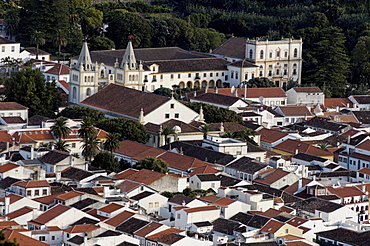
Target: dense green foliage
{"points": [[260, 82], [128, 129], [106, 160], [80, 112], [28, 87], [214, 114], [153, 163]]}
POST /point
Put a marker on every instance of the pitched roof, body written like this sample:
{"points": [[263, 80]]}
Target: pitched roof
{"points": [[110, 208], [291, 146], [125, 101], [11, 106], [217, 201], [215, 98], [75, 173], [32, 184], [309, 158], [134, 149], [272, 177], [22, 240], [54, 156], [337, 102], [344, 192], [294, 187], [179, 199], [47, 199], [119, 218], [324, 123], [362, 99], [7, 182], [7, 167], [69, 195], [364, 145], [19, 212], [51, 214], [171, 123], [225, 226], [141, 195], [247, 165], [58, 69], [200, 209], [131, 225], [148, 229], [272, 226], [7, 41], [144, 176], [168, 236], [13, 120], [271, 136], [307, 89], [295, 110], [313, 203], [181, 162], [233, 47], [82, 228], [193, 65], [346, 236]]}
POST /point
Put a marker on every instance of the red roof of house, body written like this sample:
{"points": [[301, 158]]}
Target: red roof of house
{"points": [[82, 228], [346, 191], [144, 176], [13, 198], [296, 221], [364, 145], [293, 146], [110, 208], [47, 199], [337, 102], [58, 69], [69, 195], [11, 106], [19, 212], [22, 240], [294, 187], [64, 84], [7, 167], [200, 209], [271, 136], [51, 214], [147, 229], [273, 177], [272, 226], [119, 218], [364, 171], [295, 110], [32, 183]]}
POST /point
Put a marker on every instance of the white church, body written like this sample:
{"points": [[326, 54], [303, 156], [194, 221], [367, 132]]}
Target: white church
{"points": [[232, 63]]}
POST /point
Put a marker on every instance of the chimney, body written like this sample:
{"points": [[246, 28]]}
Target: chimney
{"points": [[348, 139], [32, 152], [34, 213], [195, 94], [71, 161], [296, 151], [6, 204]]}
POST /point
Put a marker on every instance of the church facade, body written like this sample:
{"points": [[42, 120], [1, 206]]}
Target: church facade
{"points": [[151, 68]]}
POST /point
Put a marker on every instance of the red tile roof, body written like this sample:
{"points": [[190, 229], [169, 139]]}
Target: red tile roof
{"points": [[204, 170], [125, 101], [181, 162], [94, 212], [8, 224], [307, 89], [69, 195], [296, 221], [364, 145], [346, 191], [119, 218], [13, 198], [58, 69], [110, 208], [200, 209], [294, 187], [47, 199], [337, 102], [32, 184], [295, 111], [163, 234], [64, 84], [272, 226], [364, 171], [273, 177], [271, 136], [82, 228], [145, 176], [22, 240], [217, 201], [11, 106], [19, 212], [7, 167], [131, 148], [51, 214], [291, 146], [147, 229]]}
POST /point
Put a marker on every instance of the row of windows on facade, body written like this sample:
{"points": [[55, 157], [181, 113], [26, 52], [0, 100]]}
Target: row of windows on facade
{"points": [[12, 48], [295, 53], [36, 192], [270, 73], [10, 114], [74, 92]]}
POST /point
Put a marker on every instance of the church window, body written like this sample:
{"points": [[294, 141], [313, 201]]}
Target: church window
{"points": [[236, 75], [295, 52], [246, 76], [232, 74], [85, 78], [172, 105], [270, 73], [250, 53], [88, 92], [285, 72], [136, 77], [210, 74], [252, 75], [102, 74], [74, 92], [92, 78], [216, 74], [270, 55], [277, 71], [286, 54], [204, 74], [278, 53], [223, 73], [294, 71], [260, 73], [119, 76], [261, 54]]}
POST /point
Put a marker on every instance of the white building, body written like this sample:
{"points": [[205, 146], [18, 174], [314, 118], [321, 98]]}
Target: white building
{"points": [[308, 96]]}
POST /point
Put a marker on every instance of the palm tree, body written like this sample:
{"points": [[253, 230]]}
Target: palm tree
{"points": [[11, 20], [205, 129], [91, 146], [323, 145], [113, 142], [166, 131], [228, 135], [37, 38], [60, 128], [86, 128], [59, 41], [61, 145]]}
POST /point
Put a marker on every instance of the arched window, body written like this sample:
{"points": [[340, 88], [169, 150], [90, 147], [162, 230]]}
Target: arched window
{"points": [[102, 74], [295, 52], [92, 78], [261, 54], [88, 92], [251, 54], [261, 67], [74, 92], [232, 74], [85, 78]]}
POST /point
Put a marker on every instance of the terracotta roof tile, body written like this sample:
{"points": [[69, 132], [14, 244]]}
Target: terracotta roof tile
{"points": [[272, 226], [124, 174], [145, 176], [13, 120], [51, 214], [11, 106], [291, 146], [295, 111], [94, 212], [346, 191], [160, 235], [19, 212], [181, 162], [8, 224], [69, 195], [364, 145], [110, 208], [58, 69], [32, 184], [272, 177], [7, 167], [47, 199], [119, 218], [233, 47], [21, 239], [364, 170], [118, 99], [200, 209], [271, 136], [82, 228], [147, 229], [13, 198], [54, 156], [296, 221]]}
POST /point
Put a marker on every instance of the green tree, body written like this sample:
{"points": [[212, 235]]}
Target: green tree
{"points": [[127, 128], [61, 145], [80, 112], [205, 129], [90, 146], [153, 163], [60, 41], [38, 39], [11, 21], [259, 82], [323, 145], [246, 135], [122, 25], [29, 88], [214, 114], [60, 129], [199, 20], [90, 18], [6, 242], [112, 142], [106, 160], [166, 131], [163, 91], [101, 43], [361, 60], [86, 128], [333, 67]]}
